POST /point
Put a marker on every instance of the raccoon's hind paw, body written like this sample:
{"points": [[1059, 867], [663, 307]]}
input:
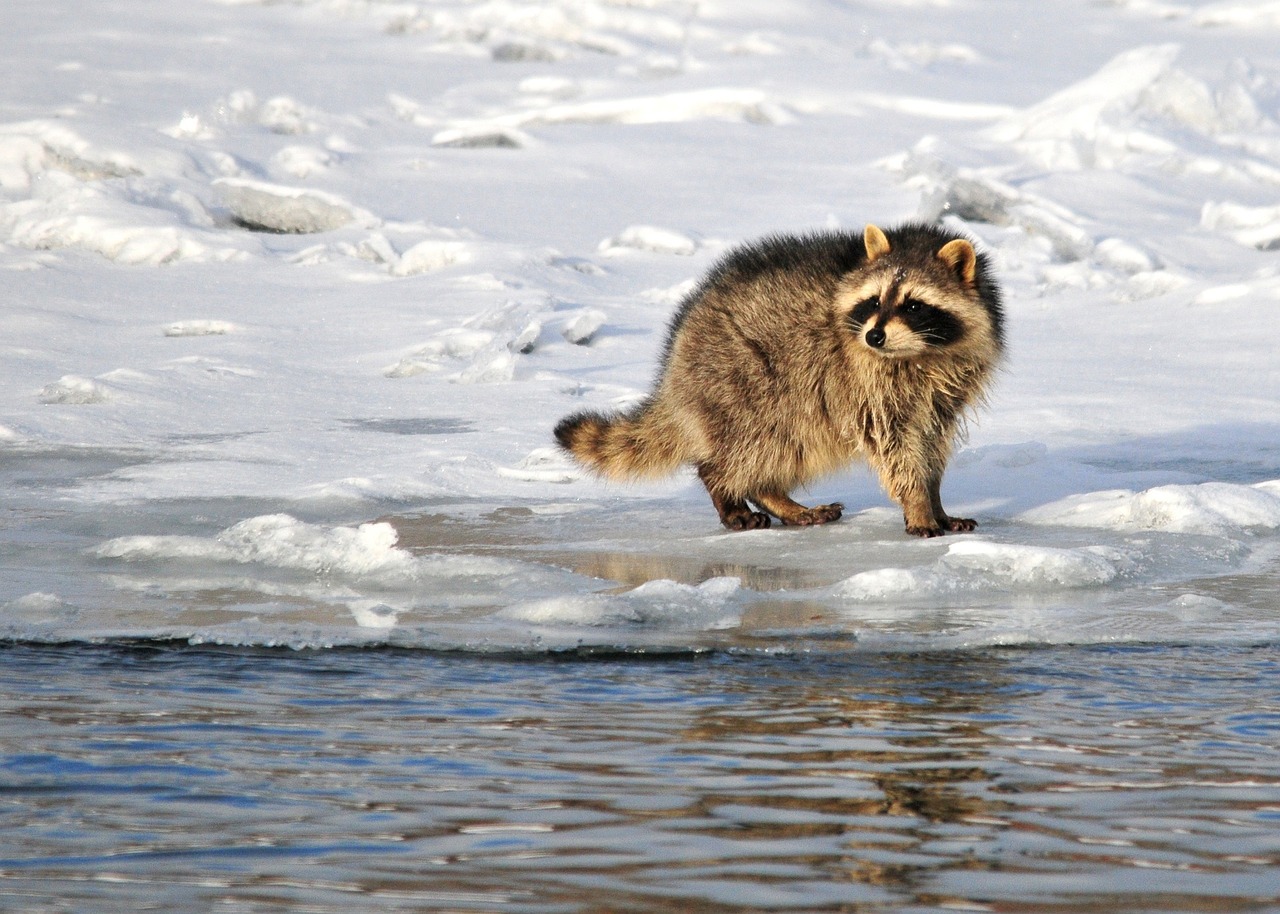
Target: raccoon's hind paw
{"points": [[960, 525], [820, 514]]}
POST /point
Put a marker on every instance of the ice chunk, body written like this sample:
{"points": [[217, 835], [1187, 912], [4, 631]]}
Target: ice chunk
{"points": [[278, 541], [525, 341], [583, 328], [543, 464], [286, 210], [74, 390], [482, 137], [429, 256], [975, 565], [659, 603], [1034, 566], [1214, 508], [489, 368], [1078, 110]]}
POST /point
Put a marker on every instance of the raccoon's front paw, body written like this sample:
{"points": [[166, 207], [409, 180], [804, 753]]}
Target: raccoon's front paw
{"points": [[923, 531], [820, 514], [960, 524]]}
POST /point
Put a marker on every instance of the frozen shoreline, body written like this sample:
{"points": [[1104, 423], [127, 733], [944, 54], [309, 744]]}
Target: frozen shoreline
{"points": [[277, 272]]}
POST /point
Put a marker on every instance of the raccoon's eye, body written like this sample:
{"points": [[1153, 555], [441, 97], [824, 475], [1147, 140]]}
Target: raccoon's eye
{"points": [[912, 306], [863, 311]]}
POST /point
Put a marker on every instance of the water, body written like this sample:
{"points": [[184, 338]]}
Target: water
{"points": [[163, 776]]}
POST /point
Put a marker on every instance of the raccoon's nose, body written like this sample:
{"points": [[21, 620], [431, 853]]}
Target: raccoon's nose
{"points": [[875, 337]]}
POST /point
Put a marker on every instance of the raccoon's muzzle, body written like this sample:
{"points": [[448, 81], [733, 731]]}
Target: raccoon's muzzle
{"points": [[875, 338]]}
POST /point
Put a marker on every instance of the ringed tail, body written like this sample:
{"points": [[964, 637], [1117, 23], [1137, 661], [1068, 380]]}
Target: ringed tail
{"points": [[634, 445]]}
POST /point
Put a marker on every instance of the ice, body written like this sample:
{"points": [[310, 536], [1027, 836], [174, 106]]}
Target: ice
{"points": [[1209, 508], [278, 541], [975, 565], [429, 256], [584, 326], [74, 390], [266, 207], [658, 604], [1054, 131], [283, 353]]}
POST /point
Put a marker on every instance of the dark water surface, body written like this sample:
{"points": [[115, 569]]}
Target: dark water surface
{"points": [[166, 777]]}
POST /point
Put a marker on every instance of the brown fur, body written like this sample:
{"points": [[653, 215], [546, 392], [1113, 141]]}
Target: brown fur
{"points": [[795, 356]]}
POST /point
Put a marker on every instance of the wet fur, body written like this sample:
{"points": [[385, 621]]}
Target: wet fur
{"points": [[770, 378]]}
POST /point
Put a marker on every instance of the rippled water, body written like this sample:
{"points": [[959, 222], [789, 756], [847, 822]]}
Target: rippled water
{"points": [[166, 777]]}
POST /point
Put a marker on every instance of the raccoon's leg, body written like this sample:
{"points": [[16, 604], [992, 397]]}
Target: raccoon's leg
{"points": [[945, 521], [794, 514], [920, 519], [910, 485], [734, 513]]}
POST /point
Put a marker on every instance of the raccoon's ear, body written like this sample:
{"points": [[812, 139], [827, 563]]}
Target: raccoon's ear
{"points": [[960, 257], [877, 243]]}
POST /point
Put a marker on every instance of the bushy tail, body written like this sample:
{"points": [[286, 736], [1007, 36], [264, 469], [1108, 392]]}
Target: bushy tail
{"points": [[623, 446]]}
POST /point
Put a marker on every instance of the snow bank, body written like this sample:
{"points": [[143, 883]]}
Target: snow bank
{"points": [[31, 148], [1101, 121], [1213, 508], [66, 213], [1253, 226]]}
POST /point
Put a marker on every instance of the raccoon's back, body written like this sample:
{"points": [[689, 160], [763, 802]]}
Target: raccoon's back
{"points": [[774, 275]]}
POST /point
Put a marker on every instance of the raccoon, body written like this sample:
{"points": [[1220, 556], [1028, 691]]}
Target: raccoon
{"points": [[796, 355]]}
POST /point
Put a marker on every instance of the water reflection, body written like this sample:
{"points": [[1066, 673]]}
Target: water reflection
{"points": [[592, 546]]}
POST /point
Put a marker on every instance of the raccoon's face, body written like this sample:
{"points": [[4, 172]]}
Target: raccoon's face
{"points": [[900, 323], [917, 301]]}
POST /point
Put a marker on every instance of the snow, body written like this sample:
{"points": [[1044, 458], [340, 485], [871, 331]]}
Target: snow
{"points": [[295, 293], [1213, 508], [277, 541]]}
